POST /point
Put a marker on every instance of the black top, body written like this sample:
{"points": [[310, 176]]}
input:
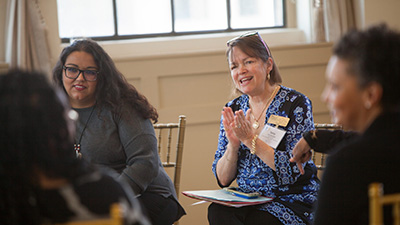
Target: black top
{"points": [[324, 141], [352, 166]]}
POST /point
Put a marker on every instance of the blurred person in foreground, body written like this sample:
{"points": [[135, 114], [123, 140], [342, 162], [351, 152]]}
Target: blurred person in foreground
{"points": [[363, 96], [41, 180]]}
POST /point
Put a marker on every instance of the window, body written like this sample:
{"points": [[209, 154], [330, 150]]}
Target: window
{"points": [[127, 19]]}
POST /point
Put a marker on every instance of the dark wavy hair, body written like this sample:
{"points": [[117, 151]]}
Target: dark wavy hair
{"points": [[34, 136], [374, 56], [253, 46], [113, 90]]}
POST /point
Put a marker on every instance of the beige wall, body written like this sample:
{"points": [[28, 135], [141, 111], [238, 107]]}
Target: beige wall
{"points": [[377, 11], [197, 84]]}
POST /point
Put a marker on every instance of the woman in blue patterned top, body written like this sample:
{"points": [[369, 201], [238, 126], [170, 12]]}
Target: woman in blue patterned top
{"points": [[257, 134]]}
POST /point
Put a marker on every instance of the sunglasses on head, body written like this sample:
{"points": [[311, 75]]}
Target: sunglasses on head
{"points": [[249, 34]]}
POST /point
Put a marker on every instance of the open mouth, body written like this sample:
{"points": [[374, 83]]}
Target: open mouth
{"points": [[79, 87], [246, 79]]}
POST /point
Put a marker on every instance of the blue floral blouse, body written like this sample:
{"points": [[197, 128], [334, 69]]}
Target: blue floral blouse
{"points": [[294, 194]]}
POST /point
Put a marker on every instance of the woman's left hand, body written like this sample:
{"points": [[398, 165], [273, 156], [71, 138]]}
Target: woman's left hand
{"points": [[301, 154], [242, 127]]}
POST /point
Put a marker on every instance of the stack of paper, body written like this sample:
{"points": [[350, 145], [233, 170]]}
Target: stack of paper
{"points": [[225, 198]]}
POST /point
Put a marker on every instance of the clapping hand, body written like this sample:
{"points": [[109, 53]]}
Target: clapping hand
{"points": [[243, 129], [229, 124]]}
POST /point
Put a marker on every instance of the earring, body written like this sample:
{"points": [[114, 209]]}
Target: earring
{"points": [[268, 76], [367, 105]]}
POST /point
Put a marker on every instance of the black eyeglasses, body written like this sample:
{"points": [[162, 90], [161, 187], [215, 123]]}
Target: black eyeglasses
{"points": [[249, 34], [73, 73]]}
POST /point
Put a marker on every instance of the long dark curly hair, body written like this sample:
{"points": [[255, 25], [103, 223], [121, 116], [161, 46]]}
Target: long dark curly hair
{"points": [[34, 135], [113, 90]]}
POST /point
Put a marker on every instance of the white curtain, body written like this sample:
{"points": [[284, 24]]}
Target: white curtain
{"points": [[332, 18], [318, 22], [26, 37]]}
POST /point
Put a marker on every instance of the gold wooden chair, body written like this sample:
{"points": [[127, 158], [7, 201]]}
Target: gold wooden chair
{"points": [[319, 158], [116, 218], [377, 200], [172, 133]]}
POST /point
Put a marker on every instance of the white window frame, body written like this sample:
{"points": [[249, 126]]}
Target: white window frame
{"points": [[200, 43], [174, 33]]}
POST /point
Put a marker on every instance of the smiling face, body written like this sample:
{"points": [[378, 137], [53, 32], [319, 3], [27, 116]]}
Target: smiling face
{"points": [[343, 96], [81, 93], [249, 74]]}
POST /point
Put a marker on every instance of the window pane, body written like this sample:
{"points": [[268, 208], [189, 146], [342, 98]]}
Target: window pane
{"points": [[88, 18], [195, 15], [143, 17], [256, 13]]}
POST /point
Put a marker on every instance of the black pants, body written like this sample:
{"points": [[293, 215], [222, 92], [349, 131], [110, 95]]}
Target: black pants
{"points": [[161, 210], [221, 215]]}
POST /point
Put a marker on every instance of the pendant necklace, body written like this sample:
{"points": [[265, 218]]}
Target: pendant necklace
{"points": [[77, 147], [255, 124]]}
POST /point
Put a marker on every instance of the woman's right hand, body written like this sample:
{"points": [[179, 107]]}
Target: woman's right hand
{"points": [[229, 122], [227, 166]]}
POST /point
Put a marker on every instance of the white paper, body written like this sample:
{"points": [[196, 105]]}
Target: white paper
{"points": [[222, 195], [272, 135]]}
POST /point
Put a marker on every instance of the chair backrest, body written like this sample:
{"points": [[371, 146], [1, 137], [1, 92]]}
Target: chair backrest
{"points": [[319, 158], [116, 218], [172, 133], [377, 199]]}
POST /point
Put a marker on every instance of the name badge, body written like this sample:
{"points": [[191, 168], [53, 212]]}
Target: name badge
{"points": [[278, 120], [272, 135]]}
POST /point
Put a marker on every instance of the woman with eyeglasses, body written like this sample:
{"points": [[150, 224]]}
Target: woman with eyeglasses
{"points": [[41, 180], [114, 128], [257, 133]]}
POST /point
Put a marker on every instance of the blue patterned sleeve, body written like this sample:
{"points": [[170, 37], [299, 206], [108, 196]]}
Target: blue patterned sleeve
{"points": [[222, 143], [301, 120]]}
